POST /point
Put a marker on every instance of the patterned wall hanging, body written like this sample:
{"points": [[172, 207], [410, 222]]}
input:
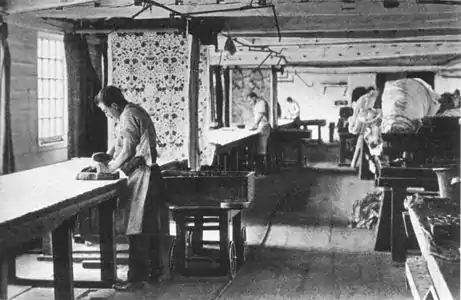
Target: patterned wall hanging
{"points": [[206, 151], [152, 69], [245, 81]]}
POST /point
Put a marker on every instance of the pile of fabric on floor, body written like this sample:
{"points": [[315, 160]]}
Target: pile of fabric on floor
{"points": [[365, 211]]}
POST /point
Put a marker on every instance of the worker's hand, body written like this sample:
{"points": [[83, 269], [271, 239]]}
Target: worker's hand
{"points": [[109, 167]]}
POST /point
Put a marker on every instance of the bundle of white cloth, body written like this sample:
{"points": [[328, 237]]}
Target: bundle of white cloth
{"points": [[404, 103]]}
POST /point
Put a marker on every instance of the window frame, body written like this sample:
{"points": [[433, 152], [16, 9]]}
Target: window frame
{"points": [[43, 146]]}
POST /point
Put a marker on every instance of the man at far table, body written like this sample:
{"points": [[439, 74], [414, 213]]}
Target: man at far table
{"points": [[261, 124], [135, 154], [293, 111]]}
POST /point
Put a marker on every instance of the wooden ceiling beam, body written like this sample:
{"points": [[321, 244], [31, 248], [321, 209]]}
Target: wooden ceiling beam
{"points": [[370, 9], [23, 6], [315, 54], [287, 42], [371, 69], [347, 33]]}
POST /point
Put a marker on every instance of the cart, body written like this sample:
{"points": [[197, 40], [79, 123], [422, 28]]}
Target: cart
{"points": [[208, 201]]}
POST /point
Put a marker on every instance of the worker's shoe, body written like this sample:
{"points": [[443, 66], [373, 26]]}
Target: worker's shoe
{"points": [[127, 286]]}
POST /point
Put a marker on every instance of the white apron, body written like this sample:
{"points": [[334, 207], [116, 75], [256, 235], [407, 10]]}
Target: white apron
{"points": [[138, 186]]}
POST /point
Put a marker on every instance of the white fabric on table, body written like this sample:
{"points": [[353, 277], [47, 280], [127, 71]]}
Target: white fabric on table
{"points": [[405, 102]]}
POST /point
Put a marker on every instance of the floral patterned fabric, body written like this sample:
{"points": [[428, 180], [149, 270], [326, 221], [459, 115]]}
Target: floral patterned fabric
{"points": [[206, 150], [152, 69]]}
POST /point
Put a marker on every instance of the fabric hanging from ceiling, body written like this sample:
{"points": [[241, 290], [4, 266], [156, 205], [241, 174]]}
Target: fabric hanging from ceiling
{"points": [[206, 150], [244, 81], [152, 69], [6, 139]]}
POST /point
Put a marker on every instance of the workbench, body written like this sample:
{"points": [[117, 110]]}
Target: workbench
{"points": [[37, 201], [442, 276], [396, 182], [235, 148]]}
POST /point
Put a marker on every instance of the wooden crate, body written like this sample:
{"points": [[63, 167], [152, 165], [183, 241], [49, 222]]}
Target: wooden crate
{"points": [[209, 188]]}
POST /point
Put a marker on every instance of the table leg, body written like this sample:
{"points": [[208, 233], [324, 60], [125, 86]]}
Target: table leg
{"points": [[197, 237], [238, 239], [180, 242], [107, 241], [319, 130], [62, 262], [4, 260], [300, 152], [224, 241], [383, 228], [397, 233], [342, 150]]}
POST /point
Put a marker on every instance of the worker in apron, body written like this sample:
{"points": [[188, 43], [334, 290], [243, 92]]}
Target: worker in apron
{"points": [[146, 218], [261, 124]]}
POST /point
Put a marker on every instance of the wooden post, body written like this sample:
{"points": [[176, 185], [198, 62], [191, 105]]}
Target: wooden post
{"points": [[397, 234], [227, 97], [219, 95], [193, 103]]}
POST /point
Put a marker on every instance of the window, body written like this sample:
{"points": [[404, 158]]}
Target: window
{"points": [[51, 89]]}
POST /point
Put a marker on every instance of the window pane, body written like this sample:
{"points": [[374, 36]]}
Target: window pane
{"points": [[59, 69], [39, 68], [52, 49], [51, 90], [39, 47], [60, 127], [59, 89], [46, 88], [53, 84], [46, 48], [60, 108], [52, 68], [46, 128]]}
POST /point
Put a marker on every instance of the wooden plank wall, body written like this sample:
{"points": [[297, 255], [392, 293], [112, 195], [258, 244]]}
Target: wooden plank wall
{"points": [[24, 105], [28, 154]]}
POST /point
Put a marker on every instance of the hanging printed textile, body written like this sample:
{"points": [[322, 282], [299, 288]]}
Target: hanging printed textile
{"points": [[152, 69], [206, 151]]}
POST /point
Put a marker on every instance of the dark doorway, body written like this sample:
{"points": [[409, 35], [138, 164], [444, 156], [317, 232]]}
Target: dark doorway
{"points": [[428, 77]]}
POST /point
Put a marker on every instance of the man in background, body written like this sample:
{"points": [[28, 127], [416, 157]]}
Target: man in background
{"points": [[292, 110], [261, 124]]}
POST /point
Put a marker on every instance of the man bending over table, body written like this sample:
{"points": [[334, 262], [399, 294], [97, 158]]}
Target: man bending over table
{"points": [[135, 154]]}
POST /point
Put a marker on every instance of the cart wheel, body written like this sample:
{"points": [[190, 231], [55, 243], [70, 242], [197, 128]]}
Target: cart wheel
{"points": [[172, 258], [232, 259]]}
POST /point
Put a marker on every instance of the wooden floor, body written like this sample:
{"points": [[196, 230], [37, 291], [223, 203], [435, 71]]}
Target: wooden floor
{"points": [[309, 253]]}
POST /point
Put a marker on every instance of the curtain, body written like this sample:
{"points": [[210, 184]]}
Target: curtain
{"points": [[87, 124], [6, 140]]}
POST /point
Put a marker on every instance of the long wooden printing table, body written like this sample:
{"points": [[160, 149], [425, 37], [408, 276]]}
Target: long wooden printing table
{"points": [[45, 199], [397, 181], [444, 275], [239, 145]]}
